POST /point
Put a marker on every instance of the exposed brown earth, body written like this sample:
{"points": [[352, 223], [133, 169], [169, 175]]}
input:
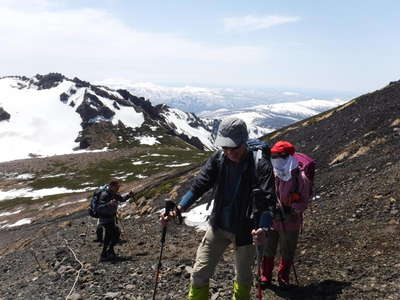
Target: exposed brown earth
{"points": [[350, 247]]}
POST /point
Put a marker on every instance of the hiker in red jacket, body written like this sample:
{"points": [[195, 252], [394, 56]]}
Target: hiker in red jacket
{"points": [[293, 193]]}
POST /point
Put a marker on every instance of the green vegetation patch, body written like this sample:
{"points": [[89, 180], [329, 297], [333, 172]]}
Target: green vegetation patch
{"points": [[9, 204], [127, 168]]}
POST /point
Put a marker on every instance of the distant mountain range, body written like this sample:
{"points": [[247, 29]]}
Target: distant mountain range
{"points": [[264, 110], [52, 114], [203, 99]]}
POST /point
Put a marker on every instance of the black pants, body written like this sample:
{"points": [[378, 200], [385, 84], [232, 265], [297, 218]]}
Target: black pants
{"points": [[111, 236]]}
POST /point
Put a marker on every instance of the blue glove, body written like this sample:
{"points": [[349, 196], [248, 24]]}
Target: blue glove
{"points": [[265, 220]]}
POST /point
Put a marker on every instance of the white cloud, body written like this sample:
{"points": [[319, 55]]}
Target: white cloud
{"points": [[252, 23], [93, 44], [31, 4]]}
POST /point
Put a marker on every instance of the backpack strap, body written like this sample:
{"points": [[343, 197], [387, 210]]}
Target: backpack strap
{"points": [[220, 165], [257, 155]]}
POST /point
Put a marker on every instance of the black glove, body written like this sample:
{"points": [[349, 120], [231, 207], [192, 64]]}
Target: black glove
{"points": [[283, 216]]}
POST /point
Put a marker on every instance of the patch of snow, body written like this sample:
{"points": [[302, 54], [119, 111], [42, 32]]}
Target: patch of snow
{"points": [[181, 121], [19, 223], [9, 213], [177, 165], [140, 162], [147, 140], [25, 176], [53, 176], [126, 114], [36, 118], [37, 194], [197, 216], [141, 176], [124, 176]]}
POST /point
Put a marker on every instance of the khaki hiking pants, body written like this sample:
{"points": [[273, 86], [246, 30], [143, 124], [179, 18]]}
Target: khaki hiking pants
{"points": [[209, 253], [287, 243]]}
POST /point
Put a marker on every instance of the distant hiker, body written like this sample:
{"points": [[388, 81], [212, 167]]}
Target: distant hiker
{"points": [[293, 192], [107, 205], [232, 175], [100, 233]]}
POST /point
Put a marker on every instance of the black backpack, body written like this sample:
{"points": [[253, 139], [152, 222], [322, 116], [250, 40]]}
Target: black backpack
{"points": [[94, 203]]}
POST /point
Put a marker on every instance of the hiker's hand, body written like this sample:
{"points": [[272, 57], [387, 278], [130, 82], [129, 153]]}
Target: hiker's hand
{"points": [[164, 218], [114, 202], [258, 236]]}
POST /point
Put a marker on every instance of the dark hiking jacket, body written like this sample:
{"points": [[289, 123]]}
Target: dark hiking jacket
{"points": [[107, 210], [211, 176]]}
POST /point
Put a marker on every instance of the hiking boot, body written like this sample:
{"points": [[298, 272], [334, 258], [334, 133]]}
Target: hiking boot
{"points": [[267, 266], [111, 254], [266, 284], [103, 257], [284, 272]]}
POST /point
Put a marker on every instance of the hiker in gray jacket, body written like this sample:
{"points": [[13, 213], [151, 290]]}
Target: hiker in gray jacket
{"points": [[232, 175], [107, 208]]}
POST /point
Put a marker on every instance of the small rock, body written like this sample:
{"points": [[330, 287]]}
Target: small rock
{"points": [[111, 295], [61, 270], [54, 276], [74, 296], [129, 287]]}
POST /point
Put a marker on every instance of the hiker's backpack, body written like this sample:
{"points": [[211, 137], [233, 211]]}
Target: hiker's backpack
{"points": [[94, 203], [307, 169], [260, 149]]}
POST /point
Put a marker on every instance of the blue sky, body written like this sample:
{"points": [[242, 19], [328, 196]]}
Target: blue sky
{"points": [[329, 45]]}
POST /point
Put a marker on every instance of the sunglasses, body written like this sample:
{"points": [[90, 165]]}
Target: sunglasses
{"points": [[231, 148]]}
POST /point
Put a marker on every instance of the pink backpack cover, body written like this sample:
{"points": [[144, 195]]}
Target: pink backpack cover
{"points": [[307, 167]]}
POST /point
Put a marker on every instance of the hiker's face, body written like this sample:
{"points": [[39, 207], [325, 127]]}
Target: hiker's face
{"points": [[115, 188], [235, 154]]}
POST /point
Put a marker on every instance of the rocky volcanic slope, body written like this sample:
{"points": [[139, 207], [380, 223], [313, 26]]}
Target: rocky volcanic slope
{"points": [[349, 248]]}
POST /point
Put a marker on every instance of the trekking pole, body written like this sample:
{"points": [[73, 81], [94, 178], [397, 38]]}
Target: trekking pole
{"points": [[259, 253], [169, 206], [283, 217]]}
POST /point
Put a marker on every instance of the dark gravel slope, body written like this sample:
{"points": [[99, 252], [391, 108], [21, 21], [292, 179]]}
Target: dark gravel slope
{"points": [[350, 247]]}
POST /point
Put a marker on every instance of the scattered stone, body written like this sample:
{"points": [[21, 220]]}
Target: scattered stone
{"points": [[112, 295], [74, 296]]}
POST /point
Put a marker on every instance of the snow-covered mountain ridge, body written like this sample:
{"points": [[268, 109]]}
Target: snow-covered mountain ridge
{"points": [[263, 119], [51, 114]]}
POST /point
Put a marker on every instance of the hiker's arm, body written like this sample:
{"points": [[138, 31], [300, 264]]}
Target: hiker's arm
{"points": [[300, 205], [202, 183], [120, 198], [187, 200], [127, 196], [267, 184]]}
